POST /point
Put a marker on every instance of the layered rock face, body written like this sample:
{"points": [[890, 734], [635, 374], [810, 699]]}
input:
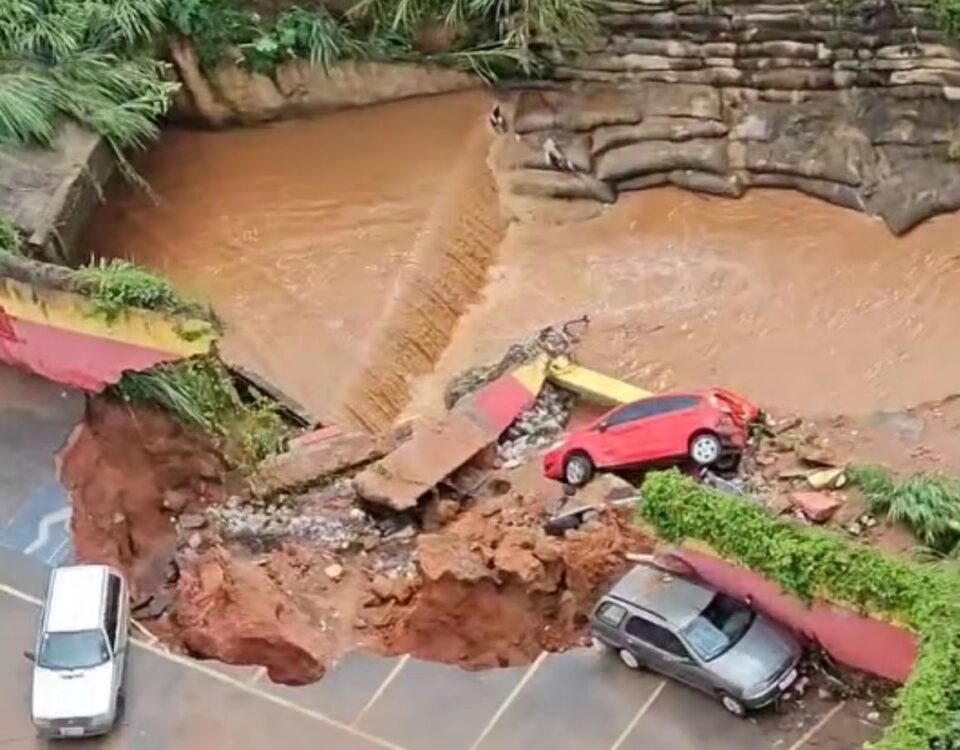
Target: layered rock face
{"points": [[860, 109]]}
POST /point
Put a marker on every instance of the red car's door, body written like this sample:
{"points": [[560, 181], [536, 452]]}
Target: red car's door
{"points": [[613, 444], [677, 419], [627, 437]]}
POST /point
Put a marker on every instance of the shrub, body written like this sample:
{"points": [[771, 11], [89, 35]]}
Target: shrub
{"points": [[200, 392], [928, 504], [117, 285], [812, 562], [84, 59]]}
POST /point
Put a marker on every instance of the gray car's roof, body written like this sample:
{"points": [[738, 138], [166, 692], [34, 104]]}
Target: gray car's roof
{"points": [[677, 600]]}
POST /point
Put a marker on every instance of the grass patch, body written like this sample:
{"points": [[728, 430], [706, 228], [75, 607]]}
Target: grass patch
{"points": [[928, 504], [814, 563], [117, 285], [10, 240], [200, 392], [89, 60]]}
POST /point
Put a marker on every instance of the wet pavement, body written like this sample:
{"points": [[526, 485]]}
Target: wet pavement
{"points": [[579, 700], [36, 417]]}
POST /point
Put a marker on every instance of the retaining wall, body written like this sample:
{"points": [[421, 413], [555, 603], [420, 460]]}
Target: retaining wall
{"points": [[61, 336], [869, 645]]}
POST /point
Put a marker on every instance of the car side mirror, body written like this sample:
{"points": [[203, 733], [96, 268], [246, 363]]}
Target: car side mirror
{"points": [[602, 427], [29, 656]]}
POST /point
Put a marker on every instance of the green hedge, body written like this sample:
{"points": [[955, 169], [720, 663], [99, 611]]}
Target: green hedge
{"points": [[812, 562]]}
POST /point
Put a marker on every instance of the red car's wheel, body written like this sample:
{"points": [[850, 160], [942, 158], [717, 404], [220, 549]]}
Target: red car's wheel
{"points": [[705, 449], [578, 469]]}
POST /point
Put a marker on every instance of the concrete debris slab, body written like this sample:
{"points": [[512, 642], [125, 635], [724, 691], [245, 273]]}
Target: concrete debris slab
{"points": [[434, 452], [308, 463]]}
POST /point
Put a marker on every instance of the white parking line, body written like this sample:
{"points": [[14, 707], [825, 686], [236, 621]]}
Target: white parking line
{"points": [[817, 727], [17, 594], [639, 715], [257, 675], [509, 699], [380, 690], [159, 650]]}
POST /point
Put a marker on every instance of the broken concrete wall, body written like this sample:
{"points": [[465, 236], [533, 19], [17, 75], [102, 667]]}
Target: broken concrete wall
{"points": [[49, 193], [859, 109]]}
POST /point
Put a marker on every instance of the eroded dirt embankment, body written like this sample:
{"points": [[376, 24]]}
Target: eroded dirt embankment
{"points": [[477, 583]]}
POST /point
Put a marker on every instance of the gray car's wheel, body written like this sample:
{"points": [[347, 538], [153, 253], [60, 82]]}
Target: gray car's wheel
{"points": [[628, 658], [732, 705], [578, 469], [705, 449]]}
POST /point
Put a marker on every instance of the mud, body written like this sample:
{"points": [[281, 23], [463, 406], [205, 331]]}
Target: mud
{"points": [[806, 307], [129, 473], [296, 232], [497, 590], [292, 583]]}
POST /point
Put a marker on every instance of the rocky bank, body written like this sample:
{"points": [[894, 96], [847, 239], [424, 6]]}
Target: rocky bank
{"points": [[857, 107]]}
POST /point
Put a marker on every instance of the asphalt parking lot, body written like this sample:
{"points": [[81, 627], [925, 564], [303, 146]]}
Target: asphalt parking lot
{"points": [[579, 700], [36, 417]]}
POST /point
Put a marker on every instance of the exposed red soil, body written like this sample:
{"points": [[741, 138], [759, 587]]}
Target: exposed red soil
{"points": [[230, 609], [486, 587], [129, 471], [497, 590]]}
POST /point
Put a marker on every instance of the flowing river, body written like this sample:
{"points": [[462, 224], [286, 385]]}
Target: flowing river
{"points": [[299, 234]]}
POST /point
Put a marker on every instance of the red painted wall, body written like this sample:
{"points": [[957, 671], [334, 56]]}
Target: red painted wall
{"points": [[860, 642]]}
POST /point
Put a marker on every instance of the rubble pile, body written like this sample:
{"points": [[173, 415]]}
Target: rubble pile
{"points": [[536, 427], [497, 589], [229, 609]]}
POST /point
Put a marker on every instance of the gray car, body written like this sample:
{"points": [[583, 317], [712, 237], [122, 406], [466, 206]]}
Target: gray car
{"points": [[698, 635]]}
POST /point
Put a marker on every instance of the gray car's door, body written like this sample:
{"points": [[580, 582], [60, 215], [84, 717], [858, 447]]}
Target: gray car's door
{"points": [[660, 650]]}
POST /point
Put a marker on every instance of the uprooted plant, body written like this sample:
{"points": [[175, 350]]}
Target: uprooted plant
{"points": [[814, 563], [201, 393]]}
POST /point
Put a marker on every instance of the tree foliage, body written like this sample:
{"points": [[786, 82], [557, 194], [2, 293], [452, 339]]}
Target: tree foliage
{"points": [[89, 60]]}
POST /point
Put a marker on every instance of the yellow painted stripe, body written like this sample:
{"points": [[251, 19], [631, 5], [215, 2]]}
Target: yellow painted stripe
{"points": [[593, 385], [73, 312], [532, 375]]}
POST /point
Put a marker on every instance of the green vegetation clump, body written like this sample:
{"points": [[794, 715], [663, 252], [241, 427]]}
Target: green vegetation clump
{"points": [[928, 504], [116, 285], [199, 392], [10, 240], [89, 60], [814, 563], [490, 37]]}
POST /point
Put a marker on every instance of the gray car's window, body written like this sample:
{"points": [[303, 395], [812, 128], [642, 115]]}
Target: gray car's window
{"points": [[718, 628], [611, 613], [79, 650], [656, 636]]}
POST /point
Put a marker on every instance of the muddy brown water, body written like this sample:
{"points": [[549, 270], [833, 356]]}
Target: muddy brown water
{"points": [[297, 231], [301, 232]]}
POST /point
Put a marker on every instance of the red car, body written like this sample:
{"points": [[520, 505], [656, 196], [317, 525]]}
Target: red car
{"points": [[709, 427]]}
